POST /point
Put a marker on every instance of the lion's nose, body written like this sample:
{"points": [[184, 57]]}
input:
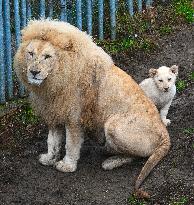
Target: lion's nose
{"points": [[34, 72], [166, 89]]}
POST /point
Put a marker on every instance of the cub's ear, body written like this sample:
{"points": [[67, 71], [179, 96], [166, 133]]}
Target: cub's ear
{"points": [[152, 72], [174, 69]]}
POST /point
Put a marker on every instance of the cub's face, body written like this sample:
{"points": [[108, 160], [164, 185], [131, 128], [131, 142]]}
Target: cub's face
{"points": [[164, 77], [41, 60]]}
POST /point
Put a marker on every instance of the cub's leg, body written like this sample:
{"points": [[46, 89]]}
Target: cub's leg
{"points": [[164, 112], [115, 161], [74, 139], [54, 146]]}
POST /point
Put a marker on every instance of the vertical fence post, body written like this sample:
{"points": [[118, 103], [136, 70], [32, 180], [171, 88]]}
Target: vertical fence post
{"points": [[79, 13], [8, 59], [50, 5], [42, 8], [130, 7], [29, 11], [100, 18], [63, 10], [17, 35], [139, 6], [113, 19], [70, 6], [148, 3], [2, 68], [23, 7], [17, 22], [89, 17]]}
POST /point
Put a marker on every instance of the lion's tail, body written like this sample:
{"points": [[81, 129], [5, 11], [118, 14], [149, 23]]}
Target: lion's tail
{"points": [[153, 160]]}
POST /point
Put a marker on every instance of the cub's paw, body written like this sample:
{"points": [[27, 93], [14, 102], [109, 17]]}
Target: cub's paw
{"points": [[166, 121], [47, 160], [65, 167]]}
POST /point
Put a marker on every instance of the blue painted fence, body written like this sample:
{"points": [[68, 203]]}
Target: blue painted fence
{"points": [[14, 15]]}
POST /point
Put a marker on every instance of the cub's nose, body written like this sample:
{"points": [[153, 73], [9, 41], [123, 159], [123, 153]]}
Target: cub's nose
{"points": [[166, 89], [34, 72]]}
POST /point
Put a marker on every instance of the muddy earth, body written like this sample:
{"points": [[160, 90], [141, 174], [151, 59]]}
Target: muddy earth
{"points": [[24, 181]]}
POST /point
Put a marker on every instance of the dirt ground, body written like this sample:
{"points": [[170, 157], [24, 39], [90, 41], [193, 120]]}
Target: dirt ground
{"points": [[24, 181]]}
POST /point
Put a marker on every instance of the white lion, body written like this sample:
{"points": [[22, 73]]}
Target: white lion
{"points": [[161, 88], [73, 82]]}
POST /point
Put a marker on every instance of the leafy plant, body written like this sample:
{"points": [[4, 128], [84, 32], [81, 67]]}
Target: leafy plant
{"points": [[181, 85]]}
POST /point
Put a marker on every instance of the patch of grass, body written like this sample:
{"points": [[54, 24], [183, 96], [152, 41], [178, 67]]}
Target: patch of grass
{"points": [[188, 131], [166, 29], [27, 116], [181, 85], [127, 44], [185, 8], [132, 200], [21, 111], [183, 200]]}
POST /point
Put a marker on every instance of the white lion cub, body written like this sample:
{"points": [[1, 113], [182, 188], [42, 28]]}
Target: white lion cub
{"points": [[161, 88]]}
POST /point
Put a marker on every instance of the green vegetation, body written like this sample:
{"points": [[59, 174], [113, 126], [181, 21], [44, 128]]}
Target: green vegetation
{"points": [[142, 31], [191, 76], [166, 29], [20, 110], [127, 44], [183, 200], [132, 200], [184, 8], [188, 131], [181, 85], [27, 116]]}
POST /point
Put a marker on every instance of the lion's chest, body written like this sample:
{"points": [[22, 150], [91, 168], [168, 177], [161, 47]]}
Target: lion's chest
{"points": [[51, 111]]}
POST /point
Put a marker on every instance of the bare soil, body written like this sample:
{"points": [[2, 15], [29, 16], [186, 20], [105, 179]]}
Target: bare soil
{"points": [[23, 181]]}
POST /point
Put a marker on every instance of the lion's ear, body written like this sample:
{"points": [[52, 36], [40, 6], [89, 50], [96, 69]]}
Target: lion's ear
{"points": [[174, 69], [152, 72]]}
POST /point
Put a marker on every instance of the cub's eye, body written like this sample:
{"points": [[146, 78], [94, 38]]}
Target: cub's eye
{"points": [[161, 80], [31, 54], [47, 56], [169, 79]]}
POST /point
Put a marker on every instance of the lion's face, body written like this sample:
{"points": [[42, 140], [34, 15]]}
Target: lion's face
{"points": [[41, 60]]}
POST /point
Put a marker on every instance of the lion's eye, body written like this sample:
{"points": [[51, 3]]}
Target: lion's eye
{"points": [[161, 80], [169, 79], [47, 56], [31, 54]]}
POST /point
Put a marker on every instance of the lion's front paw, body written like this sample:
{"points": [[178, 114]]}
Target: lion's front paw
{"points": [[65, 167], [47, 159], [166, 121]]}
